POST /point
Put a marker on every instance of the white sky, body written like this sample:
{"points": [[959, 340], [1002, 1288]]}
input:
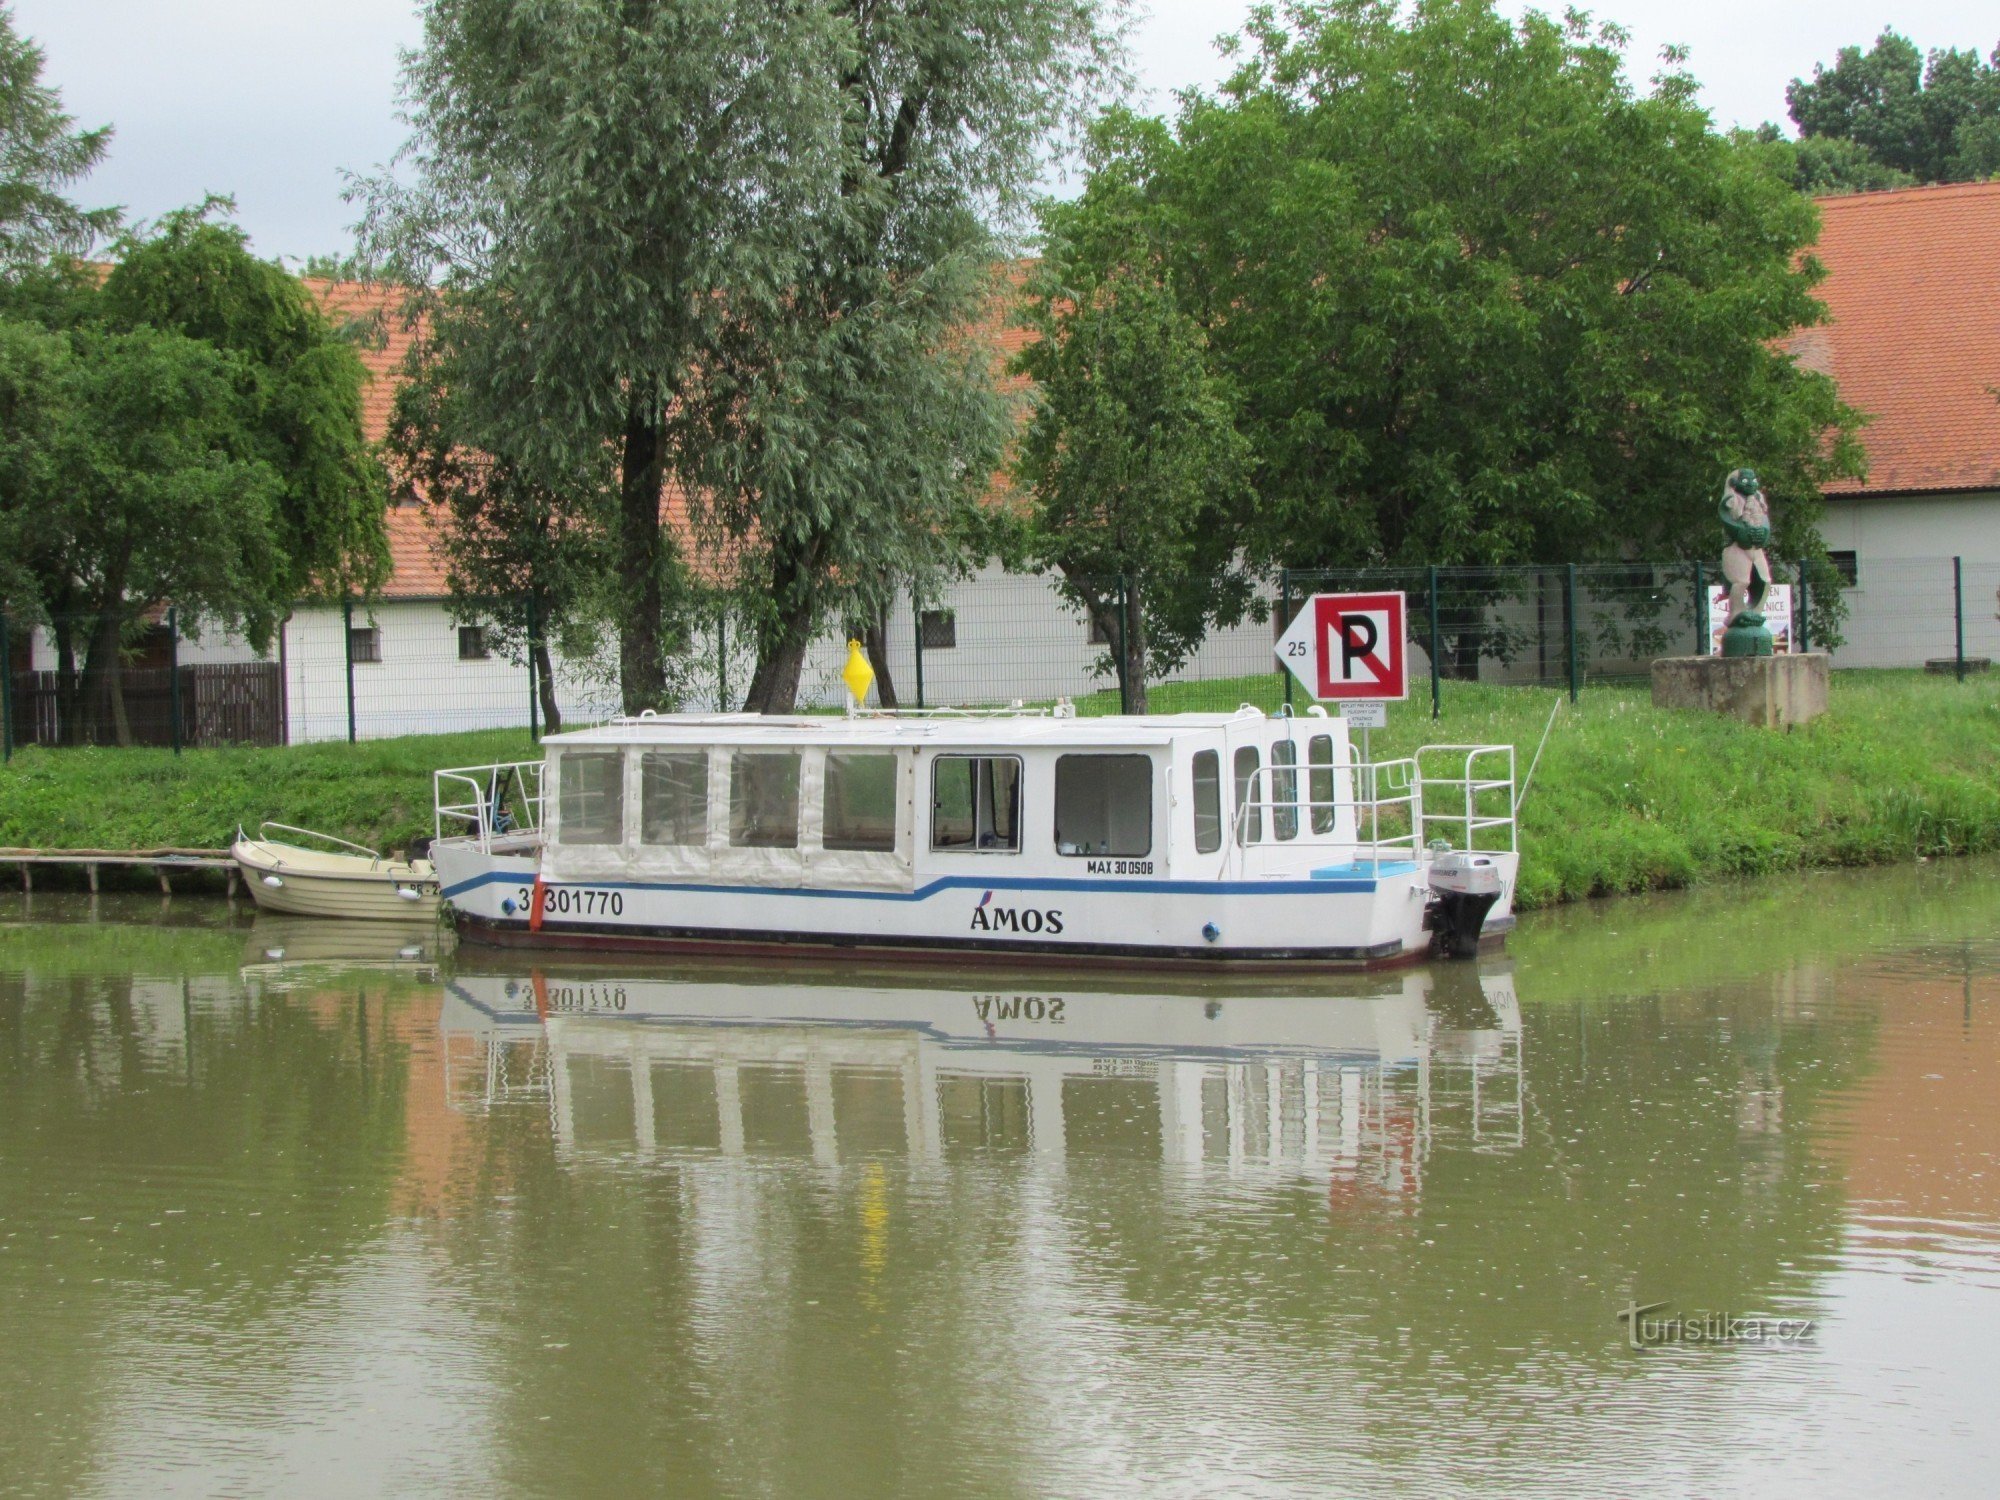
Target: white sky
{"points": [[269, 99]]}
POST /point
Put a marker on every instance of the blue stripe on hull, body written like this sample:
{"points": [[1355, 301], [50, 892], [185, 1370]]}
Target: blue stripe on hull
{"points": [[1312, 886]]}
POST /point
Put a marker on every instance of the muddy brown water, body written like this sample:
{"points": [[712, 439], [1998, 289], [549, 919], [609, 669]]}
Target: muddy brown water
{"points": [[306, 1210]]}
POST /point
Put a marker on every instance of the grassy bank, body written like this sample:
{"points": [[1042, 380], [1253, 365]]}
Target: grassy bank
{"points": [[1627, 798]]}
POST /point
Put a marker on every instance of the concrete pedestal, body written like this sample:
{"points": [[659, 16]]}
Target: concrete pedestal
{"points": [[1766, 690]]}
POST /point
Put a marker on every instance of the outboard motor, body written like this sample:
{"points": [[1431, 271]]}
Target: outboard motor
{"points": [[1464, 886]]}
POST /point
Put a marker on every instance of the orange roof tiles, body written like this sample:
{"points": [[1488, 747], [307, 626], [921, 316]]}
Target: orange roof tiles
{"points": [[1913, 286]]}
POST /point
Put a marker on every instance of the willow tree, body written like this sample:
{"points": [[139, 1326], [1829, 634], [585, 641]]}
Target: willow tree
{"points": [[623, 176], [859, 430]]}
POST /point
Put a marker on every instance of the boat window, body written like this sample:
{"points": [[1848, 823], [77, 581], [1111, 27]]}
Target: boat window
{"points": [[976, 803], [1104, 804], [673, 797], [590, 798], [1207, 802], [764, 799], [1249, 787], [860, 801], [1284, 790], [1319, 781]]}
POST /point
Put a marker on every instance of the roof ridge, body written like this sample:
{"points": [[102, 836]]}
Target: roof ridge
{"points": [[1925, 189]]}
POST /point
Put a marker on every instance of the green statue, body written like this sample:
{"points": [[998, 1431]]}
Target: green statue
{"points": [[1746, 517]]}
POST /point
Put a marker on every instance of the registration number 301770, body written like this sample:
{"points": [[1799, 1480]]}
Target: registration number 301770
{"points": [[574, 901]]}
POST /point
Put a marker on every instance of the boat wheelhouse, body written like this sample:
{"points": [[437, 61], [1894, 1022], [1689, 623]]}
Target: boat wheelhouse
{"points": [[1208, 839]]}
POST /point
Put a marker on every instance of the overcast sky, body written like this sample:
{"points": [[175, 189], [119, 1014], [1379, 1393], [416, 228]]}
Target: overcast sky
{"points": [[268, 100]]}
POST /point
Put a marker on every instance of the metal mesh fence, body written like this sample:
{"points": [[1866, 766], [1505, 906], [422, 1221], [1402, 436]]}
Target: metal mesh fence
{"points": [[401, 667]]}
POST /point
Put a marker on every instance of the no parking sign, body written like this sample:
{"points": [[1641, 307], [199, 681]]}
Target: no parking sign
{"points": [[1348, 646]]}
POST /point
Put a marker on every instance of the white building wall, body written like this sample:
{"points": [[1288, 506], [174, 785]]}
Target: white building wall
{"points": [[1900, 607]]}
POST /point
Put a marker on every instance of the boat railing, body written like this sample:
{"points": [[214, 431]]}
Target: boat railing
{"points": [[1400, 807], [267, 827], [1470, 793], [495, 804], [1388, 792]]}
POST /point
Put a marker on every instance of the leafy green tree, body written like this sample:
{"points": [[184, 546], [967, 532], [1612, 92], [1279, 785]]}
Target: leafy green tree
{"points": [[187, 431], [625, 176], [735, 243], [41, 154], [1132, 461], [859, 428], [1481, 304], [139, 492], [524, 550], [1933, 116]]}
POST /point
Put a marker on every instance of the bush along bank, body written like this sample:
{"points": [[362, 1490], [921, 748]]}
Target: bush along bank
{"points": [[1626, 798]]}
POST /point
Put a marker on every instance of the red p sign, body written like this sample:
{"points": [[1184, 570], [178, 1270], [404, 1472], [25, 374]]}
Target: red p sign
{"points": [[1349, 646]]}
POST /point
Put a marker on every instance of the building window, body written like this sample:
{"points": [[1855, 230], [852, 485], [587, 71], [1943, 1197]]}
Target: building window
{"points": [[938, 629], [472, 643], [860, 802], [976, 803], [364, 644], [1207, 802], [1847, 565], [1104, 805], [673, 797], [764, 799], [590, 798]]}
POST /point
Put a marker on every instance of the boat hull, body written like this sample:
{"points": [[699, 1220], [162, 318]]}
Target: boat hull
{"points": [[310, 884], [1365, 920]]}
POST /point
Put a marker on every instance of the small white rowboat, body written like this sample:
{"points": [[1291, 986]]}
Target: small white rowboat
{"points": [[322, 883]]}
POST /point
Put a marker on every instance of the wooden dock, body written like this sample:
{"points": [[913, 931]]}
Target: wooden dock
{"points": [[164, 863]]}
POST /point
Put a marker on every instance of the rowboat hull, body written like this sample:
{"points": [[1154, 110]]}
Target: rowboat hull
{"points": [[308, 883]]}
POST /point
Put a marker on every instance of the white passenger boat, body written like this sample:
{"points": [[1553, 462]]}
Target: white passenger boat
{"points": [[1187, 839], [345, 881]]}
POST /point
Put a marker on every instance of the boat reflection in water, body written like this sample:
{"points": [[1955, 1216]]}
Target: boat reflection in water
{"points": [[1350, 1087]]}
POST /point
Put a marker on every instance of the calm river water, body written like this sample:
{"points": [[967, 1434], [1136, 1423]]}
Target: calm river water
{"points": [[287, 1209]]}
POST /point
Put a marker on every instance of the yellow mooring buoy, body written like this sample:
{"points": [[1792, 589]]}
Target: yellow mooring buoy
{"points": [[857, 674]]}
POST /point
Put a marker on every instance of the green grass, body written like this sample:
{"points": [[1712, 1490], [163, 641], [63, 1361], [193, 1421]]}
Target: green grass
{"points": [[1627, 797], [377, 792]]}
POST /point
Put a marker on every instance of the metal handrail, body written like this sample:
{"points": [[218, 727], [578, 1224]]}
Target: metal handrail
{"points": [[488, 785], [313, 833], [1470, 783]]}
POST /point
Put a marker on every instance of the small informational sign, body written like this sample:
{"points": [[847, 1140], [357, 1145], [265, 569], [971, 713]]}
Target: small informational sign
{"points": [[1344, 647], [1777, 618], [1365, 713]]}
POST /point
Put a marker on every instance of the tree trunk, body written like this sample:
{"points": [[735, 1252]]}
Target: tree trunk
{"points": [[69, 708], [876, 638], [104, 682], [774, 686], [642, 671], [1132, 641], [781, 652], [545, 686]]}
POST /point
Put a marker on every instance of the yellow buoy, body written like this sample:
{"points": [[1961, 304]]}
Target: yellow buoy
{"points": [[857, 674]]}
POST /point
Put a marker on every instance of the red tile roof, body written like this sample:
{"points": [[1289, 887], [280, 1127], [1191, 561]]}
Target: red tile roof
{"points": [[1913, 285]]}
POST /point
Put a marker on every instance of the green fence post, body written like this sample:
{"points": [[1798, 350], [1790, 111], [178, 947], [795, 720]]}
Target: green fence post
{"points": [[347, 651], [1569, 627], [917, 626], [1700, 609], [1437, 692], [6, 692], [1802, 614], [1958, 612], [1285, 609], [1118, 655], [534, 682], [174, 673]]}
